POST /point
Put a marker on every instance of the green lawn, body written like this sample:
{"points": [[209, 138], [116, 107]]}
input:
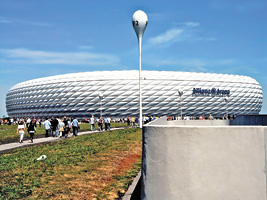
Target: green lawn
{"points": [[8, 133], [95, 166]]}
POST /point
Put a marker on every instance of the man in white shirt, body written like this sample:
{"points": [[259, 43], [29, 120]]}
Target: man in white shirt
{"points": [[92, 121], [108, 120]]}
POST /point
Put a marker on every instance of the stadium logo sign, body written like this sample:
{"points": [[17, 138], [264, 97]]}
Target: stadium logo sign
{"points": [[210, 92]]}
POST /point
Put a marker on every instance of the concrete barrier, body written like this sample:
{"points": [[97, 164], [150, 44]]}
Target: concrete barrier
{"points": [[198, 122], [163, 121], [203, 162]]}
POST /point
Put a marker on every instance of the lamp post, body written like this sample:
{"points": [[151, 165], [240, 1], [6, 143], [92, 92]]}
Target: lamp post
{"points": [[226, 101], [139, 21], [181, 92], [101, 97]]}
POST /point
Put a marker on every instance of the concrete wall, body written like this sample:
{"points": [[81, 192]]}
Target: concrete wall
{"points": [[203, 163]]}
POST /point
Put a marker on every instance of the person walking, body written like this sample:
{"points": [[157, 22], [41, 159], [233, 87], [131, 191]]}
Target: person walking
{"points": [[40, 122], [100, 124], [70, 125], [133, 121], [128, 122], [61, 128], [75, 126], [28, 122], [137, 122], [21, 130], [54, 125], [32, 129], [47, 126], [67, 127], [106, 123], [92, 121], [210, 117], [109, 120], [57, 130]]}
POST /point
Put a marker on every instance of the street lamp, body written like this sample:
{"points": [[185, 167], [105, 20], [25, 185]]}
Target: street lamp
{"points": [[101, 97], [226, 101], [181, 92], [139, 21]]}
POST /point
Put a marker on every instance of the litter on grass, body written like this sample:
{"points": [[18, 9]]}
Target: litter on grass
{"points": [[42, 157]]}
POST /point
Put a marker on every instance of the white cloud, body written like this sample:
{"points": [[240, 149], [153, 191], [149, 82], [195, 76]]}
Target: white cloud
{"points": [[25, 56], [24, 22], [34, 23], [188, 31], [192, 24], [169, 36]]}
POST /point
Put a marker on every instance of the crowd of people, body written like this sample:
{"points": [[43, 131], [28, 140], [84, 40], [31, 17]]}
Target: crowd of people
{"points": [[61, 127], [100, 122], [58, 127], [54, 127], [13, 121]]}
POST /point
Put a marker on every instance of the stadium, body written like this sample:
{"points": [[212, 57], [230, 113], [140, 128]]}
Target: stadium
{"points": [[77, 94]]}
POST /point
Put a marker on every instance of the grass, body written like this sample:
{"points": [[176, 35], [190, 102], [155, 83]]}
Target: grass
{"points": [[8, 133], [95, 166]]}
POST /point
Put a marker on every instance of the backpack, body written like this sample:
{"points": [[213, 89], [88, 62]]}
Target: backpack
{"points": [[66, 124]]}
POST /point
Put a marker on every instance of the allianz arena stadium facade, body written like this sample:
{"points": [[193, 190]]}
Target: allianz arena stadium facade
{"points": [[77, 94]]}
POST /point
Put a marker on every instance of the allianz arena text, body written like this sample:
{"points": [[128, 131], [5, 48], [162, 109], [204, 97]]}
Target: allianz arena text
{"points": [[77, 94]]}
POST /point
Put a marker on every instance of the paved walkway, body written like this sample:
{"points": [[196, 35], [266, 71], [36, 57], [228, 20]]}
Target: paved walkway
{"points": [[15, 145]]}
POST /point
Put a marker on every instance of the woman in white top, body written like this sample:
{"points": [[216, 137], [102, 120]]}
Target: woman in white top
{"points": [[21, 130]]}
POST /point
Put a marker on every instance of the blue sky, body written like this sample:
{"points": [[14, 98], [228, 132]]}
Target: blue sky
{"points": [[43, 38]]}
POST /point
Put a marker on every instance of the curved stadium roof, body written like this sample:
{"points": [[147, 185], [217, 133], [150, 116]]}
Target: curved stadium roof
{"points": [[76, 94]]}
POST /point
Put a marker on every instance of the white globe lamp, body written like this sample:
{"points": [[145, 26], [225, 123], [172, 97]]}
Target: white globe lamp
{"points": [[139, 21]]}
